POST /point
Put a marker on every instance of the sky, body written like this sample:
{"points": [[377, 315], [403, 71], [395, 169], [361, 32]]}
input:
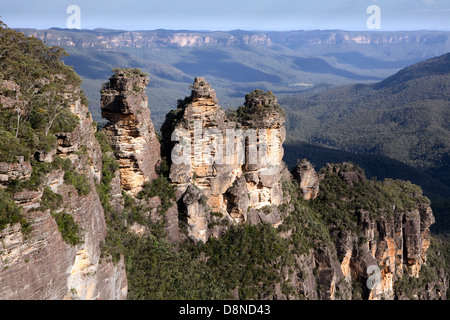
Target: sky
{"points": [[227, 15]]}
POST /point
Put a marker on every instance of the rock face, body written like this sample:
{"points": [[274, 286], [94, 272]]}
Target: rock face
{"points": [[394, 244], [308, 179], [20, 170], [42, 265], [130, 129], [234, 160]]}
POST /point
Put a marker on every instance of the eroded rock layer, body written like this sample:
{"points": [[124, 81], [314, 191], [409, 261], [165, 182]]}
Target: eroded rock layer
{"points": [[125, 104], [234, 160], [42, 265]]}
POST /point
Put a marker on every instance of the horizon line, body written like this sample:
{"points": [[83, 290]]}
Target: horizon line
{"points": [[219, 30]]}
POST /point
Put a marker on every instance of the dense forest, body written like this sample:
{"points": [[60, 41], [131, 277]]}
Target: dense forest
{"points": [[404, 117]]}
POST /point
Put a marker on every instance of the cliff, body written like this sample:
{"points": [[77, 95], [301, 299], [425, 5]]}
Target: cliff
{"points": [[168, 38], [42, 264], [52, 224]]}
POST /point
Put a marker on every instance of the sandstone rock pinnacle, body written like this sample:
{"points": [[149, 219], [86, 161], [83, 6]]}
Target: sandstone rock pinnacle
{"points": [[235, 160], [130, 129], [305, 174]]}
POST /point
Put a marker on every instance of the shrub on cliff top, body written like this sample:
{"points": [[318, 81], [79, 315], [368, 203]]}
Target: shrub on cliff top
{"points": [[258, 106], [130, 72]]}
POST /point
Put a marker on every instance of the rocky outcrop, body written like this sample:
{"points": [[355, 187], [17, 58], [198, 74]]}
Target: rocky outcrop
{"points": [[11, 171], [393, 244], [198, 213], [347, 171], [9, 94], [308, 179], [42, 265], [130, 130], [234, 160]]}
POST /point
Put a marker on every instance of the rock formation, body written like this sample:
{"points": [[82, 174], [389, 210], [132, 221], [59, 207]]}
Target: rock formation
{"points": [[395, 243], [42, 265], [234, 160], [226, 169], [308, 179], [125, 104]]}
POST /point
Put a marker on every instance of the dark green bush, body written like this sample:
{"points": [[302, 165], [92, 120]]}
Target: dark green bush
{"points": [[162, 188], [10, 148], [68, 228], [50, 200], [79, 181], [9, 211]]}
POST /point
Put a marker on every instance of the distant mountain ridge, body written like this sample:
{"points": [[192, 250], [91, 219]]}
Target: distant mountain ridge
{"points": [[292, 39], [431, 67], [235, 62]]}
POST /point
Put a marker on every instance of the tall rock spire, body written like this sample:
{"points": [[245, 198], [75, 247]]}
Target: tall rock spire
{"points": [[130, 129]]}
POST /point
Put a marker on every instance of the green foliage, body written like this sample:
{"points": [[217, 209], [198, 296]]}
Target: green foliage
{"points": [[40, 170], [157, 271], [10, 148], [79, 181], [258, 106], [248, 258], [110, 166], [117, 235], [41, 107], [164, 168], [10, 213], [68, 228], [337, 200], [162, 188], [64, 164], [309, 230], [130, 72], [50, 200], [102, 139]]}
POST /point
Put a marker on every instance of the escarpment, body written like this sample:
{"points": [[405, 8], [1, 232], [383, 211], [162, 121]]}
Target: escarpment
{"points": [[380, 244], [52, 223], [51, 261]]}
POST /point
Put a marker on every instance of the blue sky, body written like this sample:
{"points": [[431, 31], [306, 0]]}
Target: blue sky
{"points": [[229, 14]]}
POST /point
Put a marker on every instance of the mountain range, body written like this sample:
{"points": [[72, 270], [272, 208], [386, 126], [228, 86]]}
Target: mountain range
{"points": [[235, 62]]}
